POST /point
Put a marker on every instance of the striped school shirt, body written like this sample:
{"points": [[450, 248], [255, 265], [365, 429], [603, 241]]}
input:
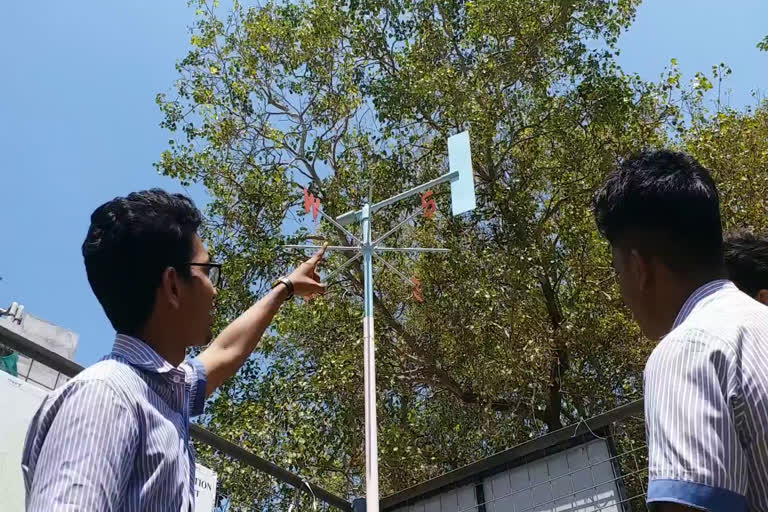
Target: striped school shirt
{"points": [[116, 436], [706, 404]]}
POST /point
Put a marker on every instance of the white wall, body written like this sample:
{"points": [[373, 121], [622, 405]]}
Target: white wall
{"points": [[19, 401]]}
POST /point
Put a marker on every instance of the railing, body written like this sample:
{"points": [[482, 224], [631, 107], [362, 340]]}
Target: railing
{"points": [[607, 471]]}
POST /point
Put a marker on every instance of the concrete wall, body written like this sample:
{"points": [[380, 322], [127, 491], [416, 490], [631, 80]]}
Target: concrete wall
{"points": [[51, 336]]}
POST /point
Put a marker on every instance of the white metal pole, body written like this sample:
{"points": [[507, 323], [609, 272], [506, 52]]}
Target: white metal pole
{"points": [[369, 349]]}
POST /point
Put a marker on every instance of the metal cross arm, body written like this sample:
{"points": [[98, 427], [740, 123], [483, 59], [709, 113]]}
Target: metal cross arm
{"points": [[339, 226], [396, 271], [341, 248], [413, 249], [327, 248], [344, 265], [385, 235], [312, 203]]}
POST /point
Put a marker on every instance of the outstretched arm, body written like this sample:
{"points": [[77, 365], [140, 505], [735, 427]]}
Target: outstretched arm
{"points": [[237, 341]]}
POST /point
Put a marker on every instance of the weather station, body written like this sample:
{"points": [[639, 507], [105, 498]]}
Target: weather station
{"points": [[367, 248]]}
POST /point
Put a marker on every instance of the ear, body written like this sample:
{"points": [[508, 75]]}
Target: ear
{"points": [[641, 269], [170, 287], [762, 296]]}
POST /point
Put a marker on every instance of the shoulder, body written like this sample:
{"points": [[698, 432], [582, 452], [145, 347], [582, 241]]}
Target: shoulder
{"points": [[730, 315], [109, 377], [194, 370], [726, 321], [93, 393], [717, 334]]}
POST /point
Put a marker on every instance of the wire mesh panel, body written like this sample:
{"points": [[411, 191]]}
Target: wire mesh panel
{"points": [[453, 500], [579, 479], [629, 443], [591, 473]]}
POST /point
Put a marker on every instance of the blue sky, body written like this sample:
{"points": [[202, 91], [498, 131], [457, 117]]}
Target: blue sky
{"points": [[78, 122]]}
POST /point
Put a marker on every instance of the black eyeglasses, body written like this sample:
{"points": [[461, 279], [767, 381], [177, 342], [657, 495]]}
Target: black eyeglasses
{"points": [[214, 271]]}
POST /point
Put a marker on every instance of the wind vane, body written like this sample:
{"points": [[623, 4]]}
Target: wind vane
{"points": [[462, 200]]}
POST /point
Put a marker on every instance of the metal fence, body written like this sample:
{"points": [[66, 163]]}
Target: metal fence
{"points": [[606, 473], [598, 464]]}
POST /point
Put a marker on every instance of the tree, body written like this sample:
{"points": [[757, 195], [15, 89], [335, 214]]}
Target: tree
{"points": [[763, 45], [734, 144], [522, 328]]}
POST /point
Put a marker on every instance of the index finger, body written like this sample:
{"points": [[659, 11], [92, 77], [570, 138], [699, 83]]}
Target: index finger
{"points": [[318, 255]]}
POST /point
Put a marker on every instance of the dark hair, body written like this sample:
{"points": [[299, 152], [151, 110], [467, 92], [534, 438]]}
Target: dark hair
{"points": [[667, 203], [746, 258], [130, 242]]}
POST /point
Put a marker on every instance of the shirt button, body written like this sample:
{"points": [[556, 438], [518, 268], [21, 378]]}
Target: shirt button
{"points": [[176, 379]]}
